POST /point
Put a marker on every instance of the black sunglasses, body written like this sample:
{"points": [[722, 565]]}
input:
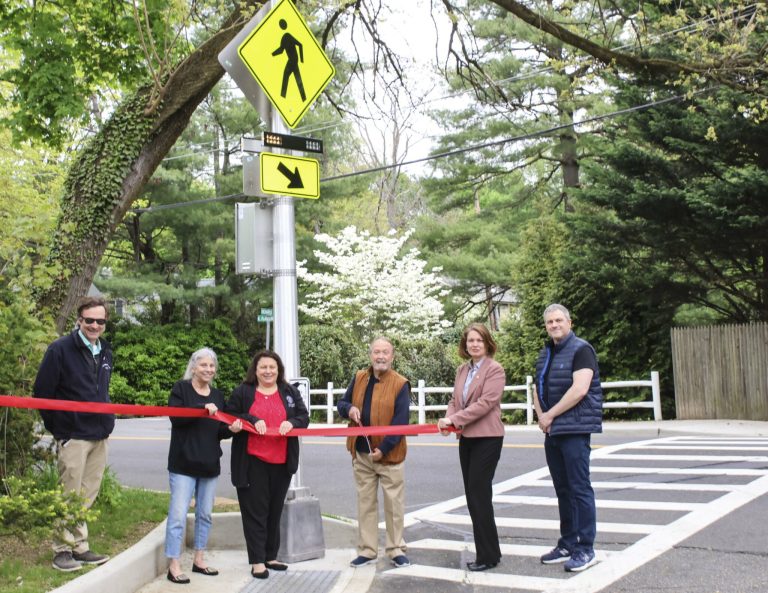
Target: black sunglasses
{"points": [[90, 320]]}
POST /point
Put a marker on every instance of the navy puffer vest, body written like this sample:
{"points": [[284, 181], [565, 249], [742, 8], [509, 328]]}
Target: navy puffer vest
{"points": [[587, 415]]}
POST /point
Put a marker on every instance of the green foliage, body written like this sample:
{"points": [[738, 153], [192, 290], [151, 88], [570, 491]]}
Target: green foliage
{"points": [[72, 51], [28, 510], [434, 361], [110, 491], [329, 354], [149, 359], [683, 198]]}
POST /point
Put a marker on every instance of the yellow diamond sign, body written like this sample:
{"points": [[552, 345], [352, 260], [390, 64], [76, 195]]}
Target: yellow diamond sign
{"points": [[287, 61], [289, 175]]}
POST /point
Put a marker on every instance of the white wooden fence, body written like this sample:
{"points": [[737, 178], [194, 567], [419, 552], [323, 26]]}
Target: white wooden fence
{"points": [[421, 391]]}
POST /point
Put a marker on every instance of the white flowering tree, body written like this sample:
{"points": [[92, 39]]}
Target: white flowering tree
{"points": [[373, 285]]}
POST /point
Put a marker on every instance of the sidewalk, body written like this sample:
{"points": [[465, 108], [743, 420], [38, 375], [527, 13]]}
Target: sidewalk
{"points": [[142, 568]]}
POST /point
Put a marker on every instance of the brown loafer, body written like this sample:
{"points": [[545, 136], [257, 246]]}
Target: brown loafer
{"points": [[211, 572]]}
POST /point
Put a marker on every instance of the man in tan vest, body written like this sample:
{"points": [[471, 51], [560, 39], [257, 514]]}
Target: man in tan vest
{"points": [[378, 396]]}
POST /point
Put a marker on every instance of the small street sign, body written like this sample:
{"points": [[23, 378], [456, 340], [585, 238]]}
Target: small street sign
{"points": [[289, 175], [266, 312], [284, 57], [264, 318]]}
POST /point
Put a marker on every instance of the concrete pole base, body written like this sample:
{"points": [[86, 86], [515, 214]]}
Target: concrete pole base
{"points": [[301, 527]]}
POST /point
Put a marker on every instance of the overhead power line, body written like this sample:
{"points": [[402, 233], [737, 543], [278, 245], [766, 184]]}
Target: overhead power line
{"points": [[449, 153], [520, 138]]}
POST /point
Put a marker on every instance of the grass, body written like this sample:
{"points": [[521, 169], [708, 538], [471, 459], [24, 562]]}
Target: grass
{"points": [[25, 566]]}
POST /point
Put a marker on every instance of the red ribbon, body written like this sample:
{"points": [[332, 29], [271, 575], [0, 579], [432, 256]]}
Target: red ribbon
{"points": [[39, 403]]}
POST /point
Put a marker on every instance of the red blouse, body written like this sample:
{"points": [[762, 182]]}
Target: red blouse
{"points": [[270, 409]]}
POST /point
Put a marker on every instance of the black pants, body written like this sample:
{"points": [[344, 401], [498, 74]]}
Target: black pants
{"points": [[479, 458], [261, 506]]}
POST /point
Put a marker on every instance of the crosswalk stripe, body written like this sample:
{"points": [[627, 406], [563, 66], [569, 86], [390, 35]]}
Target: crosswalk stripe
{"points": [[506, 549], [452, 519], [704, 447], [602, 503], [487, 579], [684, 487], [733, 458], [628, 469]]}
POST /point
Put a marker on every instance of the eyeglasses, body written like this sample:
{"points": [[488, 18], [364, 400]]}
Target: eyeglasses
{"points": [[90, 320]]}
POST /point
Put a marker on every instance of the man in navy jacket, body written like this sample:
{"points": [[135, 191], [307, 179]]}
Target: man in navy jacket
{"points": [[78, 367], [568, 402]]}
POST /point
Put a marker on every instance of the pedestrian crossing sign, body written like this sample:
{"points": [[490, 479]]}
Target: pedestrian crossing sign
{"points": [[284, 57]]}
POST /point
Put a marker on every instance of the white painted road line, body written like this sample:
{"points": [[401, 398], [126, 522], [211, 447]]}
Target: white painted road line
{"points": [[451, 519], [709, 471], [487, 579], [646, 549], [602, 503], [702, 447], [679, 486], [724, 458], [506, 549]]}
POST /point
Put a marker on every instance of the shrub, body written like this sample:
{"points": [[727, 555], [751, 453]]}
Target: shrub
{"points": [[150, 359], [329, 354], [32, 509]]}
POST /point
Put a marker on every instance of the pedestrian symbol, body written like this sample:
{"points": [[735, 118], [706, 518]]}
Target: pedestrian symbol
{"points": [[289, 45], [287, 61]]}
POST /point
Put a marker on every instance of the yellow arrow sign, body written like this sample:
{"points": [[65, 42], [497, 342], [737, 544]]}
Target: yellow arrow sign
{"points": [[289, 175], [287, 61]]}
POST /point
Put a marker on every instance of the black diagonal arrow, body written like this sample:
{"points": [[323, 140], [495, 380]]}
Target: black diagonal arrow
{"points": [[294, 177]]}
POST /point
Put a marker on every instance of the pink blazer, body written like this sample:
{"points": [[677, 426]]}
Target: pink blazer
{"points": [[480, 416]]}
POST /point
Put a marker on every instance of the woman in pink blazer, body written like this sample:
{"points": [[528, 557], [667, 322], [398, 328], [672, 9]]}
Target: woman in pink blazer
{"points": [[475, 409]]}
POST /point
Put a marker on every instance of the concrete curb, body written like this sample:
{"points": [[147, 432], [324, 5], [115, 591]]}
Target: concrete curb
{"points": [[128, 571]]}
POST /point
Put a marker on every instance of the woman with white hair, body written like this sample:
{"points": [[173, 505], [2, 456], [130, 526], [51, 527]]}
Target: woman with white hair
{"points": [[194, 462]]}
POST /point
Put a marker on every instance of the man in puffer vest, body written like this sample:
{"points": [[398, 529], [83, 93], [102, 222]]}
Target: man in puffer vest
{"points": [[378, 396], [568, 400]]}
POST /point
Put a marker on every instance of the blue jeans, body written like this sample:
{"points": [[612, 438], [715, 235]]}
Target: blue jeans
{"points": [[568, 461], [182, 489]]}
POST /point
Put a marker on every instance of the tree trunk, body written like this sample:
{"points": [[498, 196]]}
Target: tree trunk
{"points": [[112, 169]]}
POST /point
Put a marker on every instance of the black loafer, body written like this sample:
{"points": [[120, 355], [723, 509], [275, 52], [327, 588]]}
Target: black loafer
{"points": [[211, 572], [276, 565], [480, 566], [180, 579], [260, 575]]}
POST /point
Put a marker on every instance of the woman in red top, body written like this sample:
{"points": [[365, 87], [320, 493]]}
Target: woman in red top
{"points": [[262, 465]]}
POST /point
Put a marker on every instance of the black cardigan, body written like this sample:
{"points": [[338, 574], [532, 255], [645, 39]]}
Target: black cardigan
{"points": [[195, 448], [240, 403]]}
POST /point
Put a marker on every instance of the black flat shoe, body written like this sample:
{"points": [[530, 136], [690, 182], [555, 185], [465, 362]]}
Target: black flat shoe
{"points": [[260, 575], [480, 566], [211, 572], [180, 579], [276, 565]]}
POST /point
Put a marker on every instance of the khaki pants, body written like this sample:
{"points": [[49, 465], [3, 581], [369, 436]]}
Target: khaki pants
{"points": [[81, 466], [368, 476]]}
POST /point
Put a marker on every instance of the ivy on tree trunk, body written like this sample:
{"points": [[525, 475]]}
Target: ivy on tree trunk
{"points": [[112, 169]]}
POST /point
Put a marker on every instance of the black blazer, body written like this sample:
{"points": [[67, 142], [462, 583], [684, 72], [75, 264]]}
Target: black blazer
{"points": [[238, 405]]}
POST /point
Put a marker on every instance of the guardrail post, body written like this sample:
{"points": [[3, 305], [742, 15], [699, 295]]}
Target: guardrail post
{"points": [[329, 404], [422, 399], [656, 394], [529, 399]]}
